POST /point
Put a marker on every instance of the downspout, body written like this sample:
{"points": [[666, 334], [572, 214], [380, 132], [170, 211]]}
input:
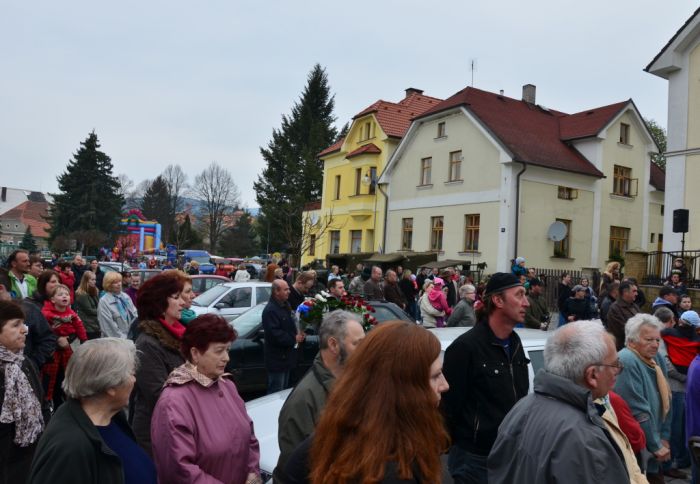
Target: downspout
{"points": [[517, 206], [386, 210]]}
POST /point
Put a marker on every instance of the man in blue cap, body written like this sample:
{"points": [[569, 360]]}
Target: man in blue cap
{"points": [[487, 371]]}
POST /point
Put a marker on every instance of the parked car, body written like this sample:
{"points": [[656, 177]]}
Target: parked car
{"points": [[201, 256], [231, 299], [264, 411], [247, 363], [203, 282]]}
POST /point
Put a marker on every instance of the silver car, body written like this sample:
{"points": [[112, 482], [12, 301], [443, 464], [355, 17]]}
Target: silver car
{"points": [[231, 299]]}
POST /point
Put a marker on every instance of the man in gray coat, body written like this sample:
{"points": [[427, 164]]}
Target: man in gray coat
{"points": [[560, 426], [463, 312], [339, 335]]}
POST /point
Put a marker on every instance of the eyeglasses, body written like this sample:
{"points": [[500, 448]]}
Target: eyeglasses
{"points": [[618, 365]]}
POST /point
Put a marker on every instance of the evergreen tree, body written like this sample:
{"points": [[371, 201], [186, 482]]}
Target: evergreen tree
{"points": [[28, 243], [240, 240], [89, 197], [293, 174], [155, 204], [187, 237]]}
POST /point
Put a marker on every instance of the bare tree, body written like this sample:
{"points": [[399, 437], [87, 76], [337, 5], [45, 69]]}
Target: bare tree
{"points": [[126, 186], [176, 180], [215, 188], [314, 228]]}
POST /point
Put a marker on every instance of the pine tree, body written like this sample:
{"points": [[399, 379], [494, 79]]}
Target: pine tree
{"points": [[240, 240], [187, 237], [28, 243], [89, 197], [293, 174], [155, 204]]}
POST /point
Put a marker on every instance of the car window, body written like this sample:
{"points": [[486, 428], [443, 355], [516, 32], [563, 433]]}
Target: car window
{"points": [[238, 298], [383, 313], [262, 294], [249, 320], [536, 359], [210, 296], [209, 283], [197, 285]]}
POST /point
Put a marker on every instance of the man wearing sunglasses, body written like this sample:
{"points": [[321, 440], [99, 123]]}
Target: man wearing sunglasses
{"points": [[568, 436]]}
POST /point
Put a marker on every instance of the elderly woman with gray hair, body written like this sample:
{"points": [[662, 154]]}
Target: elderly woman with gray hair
{"points": [[645, 388], [88, 439]]}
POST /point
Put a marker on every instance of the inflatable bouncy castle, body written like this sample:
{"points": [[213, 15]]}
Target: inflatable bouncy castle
{"points": [[138, 234]]}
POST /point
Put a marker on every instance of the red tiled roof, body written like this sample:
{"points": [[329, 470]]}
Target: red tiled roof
{"points": [[395, 118], [588, 123], [332, 148], [370, 148], [528, 131], [657, 177], [32, 215]]}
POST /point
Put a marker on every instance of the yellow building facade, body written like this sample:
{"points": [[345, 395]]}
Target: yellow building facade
{"points": [[351, 216]]}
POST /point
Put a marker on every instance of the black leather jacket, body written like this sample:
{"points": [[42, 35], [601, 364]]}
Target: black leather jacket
{"points": [[485, 383]]}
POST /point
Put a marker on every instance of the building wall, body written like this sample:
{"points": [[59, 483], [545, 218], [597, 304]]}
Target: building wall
{"points": [[350, 212], [656, 220]]}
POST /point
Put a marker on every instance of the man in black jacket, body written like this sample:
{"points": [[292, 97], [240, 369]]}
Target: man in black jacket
{"points": [[488, 373], [282, 338]]}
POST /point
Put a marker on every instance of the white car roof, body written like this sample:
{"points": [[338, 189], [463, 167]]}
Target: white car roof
{"points": [[247, 284], [531, 338]]}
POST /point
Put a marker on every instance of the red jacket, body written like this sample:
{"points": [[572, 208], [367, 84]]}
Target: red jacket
{"points": [[68, 279], [628, 424], [63, 323]]}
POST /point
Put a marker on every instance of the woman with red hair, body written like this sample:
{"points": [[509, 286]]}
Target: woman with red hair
{"points": [[160, 303], [381, 422], [200, 429]]}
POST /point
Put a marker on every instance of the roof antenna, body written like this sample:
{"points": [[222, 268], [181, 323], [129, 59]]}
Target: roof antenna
{"points": [[472, 63]]}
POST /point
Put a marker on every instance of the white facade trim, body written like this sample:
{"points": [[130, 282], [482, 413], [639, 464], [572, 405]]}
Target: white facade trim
{"points": [[506, 216]]}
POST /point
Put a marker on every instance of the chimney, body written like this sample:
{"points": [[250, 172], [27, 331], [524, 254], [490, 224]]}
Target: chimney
{"points": [[413, 90], [529, 92], [3, 197]]}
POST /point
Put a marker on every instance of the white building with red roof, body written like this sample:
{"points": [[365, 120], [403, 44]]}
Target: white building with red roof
{"points": [[485, 177]]}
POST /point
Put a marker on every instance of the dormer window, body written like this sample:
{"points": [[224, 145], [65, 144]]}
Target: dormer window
{"points": [[366, 131], [624, 133]]}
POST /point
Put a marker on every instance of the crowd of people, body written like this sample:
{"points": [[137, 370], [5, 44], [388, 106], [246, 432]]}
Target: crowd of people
{"points": [[616, 400]]}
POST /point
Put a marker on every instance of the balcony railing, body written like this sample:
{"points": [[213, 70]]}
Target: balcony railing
{"points": [[660, 265]]}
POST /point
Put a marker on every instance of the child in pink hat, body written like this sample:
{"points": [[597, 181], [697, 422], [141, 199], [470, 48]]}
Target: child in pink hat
{"points": [[438, 300]]}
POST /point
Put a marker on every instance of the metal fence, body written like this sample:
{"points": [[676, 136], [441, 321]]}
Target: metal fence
{"points": [[551, 278], [660, 265]]}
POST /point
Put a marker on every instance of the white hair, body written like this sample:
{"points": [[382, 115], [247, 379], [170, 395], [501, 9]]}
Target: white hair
{"points": [[98, 365], [466, 288], [635, 324], [574, 347]]}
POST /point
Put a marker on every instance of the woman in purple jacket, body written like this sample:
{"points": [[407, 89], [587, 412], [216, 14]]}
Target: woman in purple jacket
{"points": [[200, 430]]}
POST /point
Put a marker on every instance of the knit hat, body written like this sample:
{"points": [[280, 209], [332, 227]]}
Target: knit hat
{"points": [[691, 317], [501, 281], [438, 281], [536, 282], [519, 260], [577, 288]]}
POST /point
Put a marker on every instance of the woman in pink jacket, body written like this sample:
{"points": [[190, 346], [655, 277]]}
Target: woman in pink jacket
{"points": [[439, 301], [200, 430]]}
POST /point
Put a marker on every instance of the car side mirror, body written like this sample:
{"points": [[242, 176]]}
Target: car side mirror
{"points": [[221, 305]]}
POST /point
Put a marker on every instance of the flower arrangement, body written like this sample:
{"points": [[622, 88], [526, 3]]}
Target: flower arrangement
{"points": [[311, 311]]}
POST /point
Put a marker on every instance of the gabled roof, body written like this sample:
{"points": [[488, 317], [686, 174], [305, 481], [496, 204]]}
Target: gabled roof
{"points": [[370, 148], [657, 177], [530, 133], [649, 67], [588, 123], [395, 118], [332, 148], [32, 215]]}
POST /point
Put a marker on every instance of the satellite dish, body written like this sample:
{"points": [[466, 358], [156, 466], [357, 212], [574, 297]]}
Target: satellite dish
{"points": [[557, 231]]}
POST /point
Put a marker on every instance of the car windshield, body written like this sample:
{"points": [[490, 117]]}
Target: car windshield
{"points": [[210, 296], [383, 313], [249, 320], [201, 259]]}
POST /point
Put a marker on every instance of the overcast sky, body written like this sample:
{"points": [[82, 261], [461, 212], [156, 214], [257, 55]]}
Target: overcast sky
{"points": [[193, 82]]}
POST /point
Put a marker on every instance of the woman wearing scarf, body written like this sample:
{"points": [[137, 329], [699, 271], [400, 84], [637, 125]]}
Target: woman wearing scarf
{"points": [[115, 311], [21, 419], [200, 429], [88, 440], [160, 305], [644, 386]]}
